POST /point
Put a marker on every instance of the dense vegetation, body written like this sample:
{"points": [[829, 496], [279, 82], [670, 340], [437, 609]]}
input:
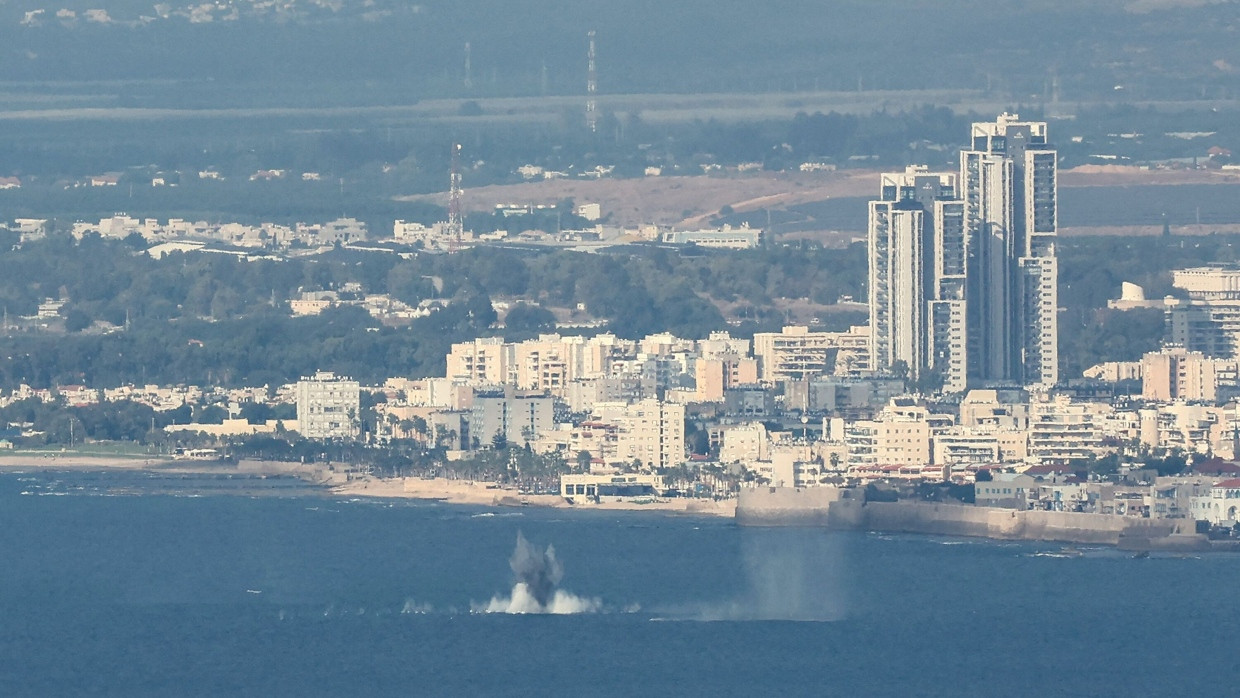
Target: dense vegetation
{"points": [[210, 319], [1091, 271], [201, 318], [57, 424]]}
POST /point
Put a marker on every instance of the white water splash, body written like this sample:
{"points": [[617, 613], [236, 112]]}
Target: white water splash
{"points": [[412, 607], [788, 575], [523, 602], [538, 574]]}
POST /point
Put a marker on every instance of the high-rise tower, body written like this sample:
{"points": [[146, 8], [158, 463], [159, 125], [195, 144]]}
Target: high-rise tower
{"points": [[917, 275], [962, 268], [1008, 179]]}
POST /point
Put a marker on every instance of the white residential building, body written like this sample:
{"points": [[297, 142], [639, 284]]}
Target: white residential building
{"points": [[327, 406], [917, 276], [1221, 507], [796, 353], [1008, 182]]}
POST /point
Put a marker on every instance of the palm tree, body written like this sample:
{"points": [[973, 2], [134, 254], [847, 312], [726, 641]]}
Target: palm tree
{"points": [[354, 422], [583, 461]]}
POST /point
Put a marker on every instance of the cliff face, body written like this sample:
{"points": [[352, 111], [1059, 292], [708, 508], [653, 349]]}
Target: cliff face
{"points": [[846, 509]]}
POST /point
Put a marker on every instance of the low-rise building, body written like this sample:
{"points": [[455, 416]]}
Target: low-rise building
{"points": [[235, 427], [611, 485], [727, 238], [1221, 507], [744, 443], [1008, 490]]}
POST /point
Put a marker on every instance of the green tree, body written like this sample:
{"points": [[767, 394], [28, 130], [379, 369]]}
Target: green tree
{"points": [[76, 320], [584, 459], [525, 320]]}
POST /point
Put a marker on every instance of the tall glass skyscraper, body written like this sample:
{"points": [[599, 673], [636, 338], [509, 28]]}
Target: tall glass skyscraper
{"points": [[962, 268]]}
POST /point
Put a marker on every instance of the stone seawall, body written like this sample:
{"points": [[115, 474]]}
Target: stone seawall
{"points": [[787, 506], [846, 509]]}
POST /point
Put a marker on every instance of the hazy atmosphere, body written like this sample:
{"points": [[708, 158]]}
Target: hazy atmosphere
{"points": [[800, 347]]}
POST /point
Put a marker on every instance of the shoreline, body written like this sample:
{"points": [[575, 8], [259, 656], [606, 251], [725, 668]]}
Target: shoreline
{"points": [[840, 509], [79, 461], [477, 493], [336, 484]]}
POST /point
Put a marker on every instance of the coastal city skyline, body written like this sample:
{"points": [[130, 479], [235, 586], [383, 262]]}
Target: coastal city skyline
{"points": [[615, 348], [963, 310]]}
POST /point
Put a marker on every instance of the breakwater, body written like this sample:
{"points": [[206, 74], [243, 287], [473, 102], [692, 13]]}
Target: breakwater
{"points": [[847, 509], [316, 473]]}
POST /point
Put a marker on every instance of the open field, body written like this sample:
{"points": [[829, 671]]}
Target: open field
{"points": [[679, 201], [830, 206]]}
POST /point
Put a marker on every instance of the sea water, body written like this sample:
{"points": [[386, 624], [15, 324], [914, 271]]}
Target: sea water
{"points": [[136, 584]]}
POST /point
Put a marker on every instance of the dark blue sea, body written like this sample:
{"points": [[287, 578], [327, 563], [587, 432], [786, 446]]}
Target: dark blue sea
{"points": [[134, 584]]}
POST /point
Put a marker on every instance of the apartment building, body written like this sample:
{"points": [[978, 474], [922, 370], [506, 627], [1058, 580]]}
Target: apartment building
{"points": [[795, 353], [1062, 432], [512, 416], [1178, 374], [327, 406], [649, 431], [917, 275], [1008, 181], [716, 375], [963, 274]]}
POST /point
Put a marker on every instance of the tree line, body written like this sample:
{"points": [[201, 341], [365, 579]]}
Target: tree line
{"points": [[214, 319]]}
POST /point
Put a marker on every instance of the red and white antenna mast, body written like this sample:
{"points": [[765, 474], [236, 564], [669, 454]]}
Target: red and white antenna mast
{"points": [[456, 225], [591, 87]]}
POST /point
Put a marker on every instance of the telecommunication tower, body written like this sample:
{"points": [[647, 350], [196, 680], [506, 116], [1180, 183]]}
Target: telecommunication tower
{"points": [[456, 226], [591, 87], [469, 75]]}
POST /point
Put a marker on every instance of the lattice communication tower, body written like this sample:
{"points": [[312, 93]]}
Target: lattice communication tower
{"points": [[456, 226], [591, 87]]}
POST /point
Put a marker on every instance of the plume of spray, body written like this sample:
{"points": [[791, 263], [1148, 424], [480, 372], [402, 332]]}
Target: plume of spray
{"points": [[786, 575], [538, 574], [537, 569]]}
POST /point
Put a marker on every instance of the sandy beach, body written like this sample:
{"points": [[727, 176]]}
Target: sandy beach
{"points": [[436, 489], [79, 461]]}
